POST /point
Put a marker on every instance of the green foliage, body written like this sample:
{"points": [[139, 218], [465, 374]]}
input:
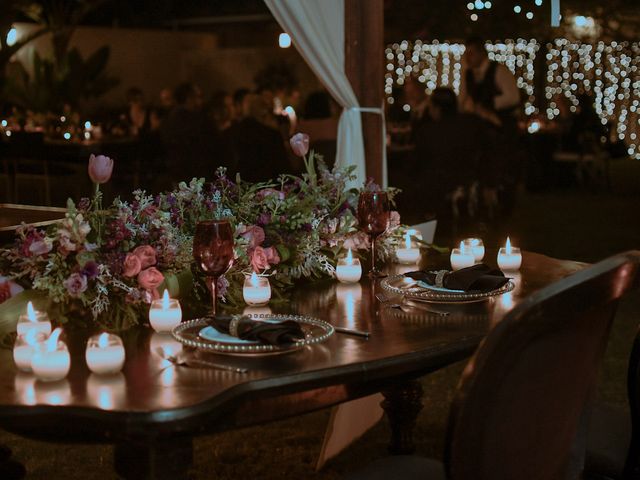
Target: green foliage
{"points": [[51, 86]]}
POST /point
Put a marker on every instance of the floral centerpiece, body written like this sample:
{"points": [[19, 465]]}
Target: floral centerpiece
{"points": [[105, 265]]}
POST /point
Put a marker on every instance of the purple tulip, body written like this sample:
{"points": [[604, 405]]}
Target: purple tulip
{"points": [[300, 144], [100, 168]]}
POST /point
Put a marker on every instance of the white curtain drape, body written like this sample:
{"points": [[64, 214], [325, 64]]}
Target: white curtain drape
{"points": [[316, 28]]}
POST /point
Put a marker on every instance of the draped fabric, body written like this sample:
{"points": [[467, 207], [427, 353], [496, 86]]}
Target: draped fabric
{"points": [[317, 30]]}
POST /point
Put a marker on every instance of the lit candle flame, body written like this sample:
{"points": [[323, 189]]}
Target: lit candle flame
{"points": [[254, 280], [407, 240], [103, 340], [463, 249], [52, 342], [31, 313], [165, 300], [349, 259], [31, 337], [507, 248]]}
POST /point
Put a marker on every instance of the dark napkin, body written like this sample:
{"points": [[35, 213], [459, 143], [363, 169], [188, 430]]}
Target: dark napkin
{"points": [[273, 333], [478, 278]]}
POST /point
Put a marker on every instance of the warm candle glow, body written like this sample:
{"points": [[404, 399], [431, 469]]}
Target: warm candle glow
{"points": [[31, 313], [348, 269], [52, 342], [507, 247], [407, 240], [103, 340], [165, 313], [165, 300], [256, 290]]}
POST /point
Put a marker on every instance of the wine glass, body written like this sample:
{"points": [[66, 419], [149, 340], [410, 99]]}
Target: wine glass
{"points": [[373, 217], [213, 251]]}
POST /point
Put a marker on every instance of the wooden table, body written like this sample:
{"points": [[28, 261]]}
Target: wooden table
{"points": [[152, 411]]}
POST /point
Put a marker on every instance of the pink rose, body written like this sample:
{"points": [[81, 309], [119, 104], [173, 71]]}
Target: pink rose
{"points": [[272, 255], [146, 254], [300, 144], [150, 279], [270, 192], [254, 234], [76, 284], [132, 265], [259, 261], [394, 219], [357, 241], [100, 168], [40, 247]]}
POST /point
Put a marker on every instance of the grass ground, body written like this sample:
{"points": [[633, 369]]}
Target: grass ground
{"points": [[573, 224]]}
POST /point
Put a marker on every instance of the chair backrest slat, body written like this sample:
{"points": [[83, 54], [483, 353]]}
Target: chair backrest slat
{"points": [[520, 400]]}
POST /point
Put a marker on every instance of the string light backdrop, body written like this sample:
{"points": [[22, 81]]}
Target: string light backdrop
{"points": [[607, 71]]}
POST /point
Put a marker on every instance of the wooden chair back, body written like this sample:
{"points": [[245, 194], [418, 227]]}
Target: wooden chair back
{"points": [[520, 399]]}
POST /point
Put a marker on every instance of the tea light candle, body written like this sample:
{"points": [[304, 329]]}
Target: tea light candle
{"points": [[408, 255], [414, 233], [461, 257], [476, 246], [105, 354], [51, 361], [348, 269], [33, 320], [509, 258], [165, 313], [25, 347], [256, 291]]}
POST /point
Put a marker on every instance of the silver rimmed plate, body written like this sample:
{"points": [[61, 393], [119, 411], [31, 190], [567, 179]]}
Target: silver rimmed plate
{"points": [[200, 334], [409, 288]]}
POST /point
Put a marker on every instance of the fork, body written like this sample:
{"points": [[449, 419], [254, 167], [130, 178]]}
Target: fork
{"points": [[403, 306], [197, 363]]}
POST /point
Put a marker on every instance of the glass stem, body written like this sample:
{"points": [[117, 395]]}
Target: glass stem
{"points": [[214, 295], [373, 254]]}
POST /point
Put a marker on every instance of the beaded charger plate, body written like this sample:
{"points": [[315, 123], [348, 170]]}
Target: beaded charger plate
{"points": [[200, 334], [407, 287]]}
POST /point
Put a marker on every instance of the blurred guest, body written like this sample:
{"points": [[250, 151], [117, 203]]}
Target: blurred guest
{"points": [[137, 114], [166, 99], [416, 97], [190, 137], [241, 98], [254, 147], [222, 110], [453, 152], [320, 123], [488, 88]]}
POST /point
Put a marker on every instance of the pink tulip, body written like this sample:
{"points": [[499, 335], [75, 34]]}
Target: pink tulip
{"points": [[300, 144], [100, 168]]}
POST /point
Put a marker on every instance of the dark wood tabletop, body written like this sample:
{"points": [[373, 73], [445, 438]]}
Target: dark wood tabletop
{"points": [[153, 400]]}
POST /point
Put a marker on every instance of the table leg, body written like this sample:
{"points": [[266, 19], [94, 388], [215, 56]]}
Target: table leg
{"points": [[157, 459], [10, 469], [402, 405]]}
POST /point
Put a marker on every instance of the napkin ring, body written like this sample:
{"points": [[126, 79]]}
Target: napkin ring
{"points": [[440, 274], [233, 325]]}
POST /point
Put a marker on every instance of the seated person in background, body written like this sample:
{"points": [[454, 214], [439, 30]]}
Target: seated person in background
{"points": [[320, 123], [452, 152], [190, 137], [255, 149]]}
